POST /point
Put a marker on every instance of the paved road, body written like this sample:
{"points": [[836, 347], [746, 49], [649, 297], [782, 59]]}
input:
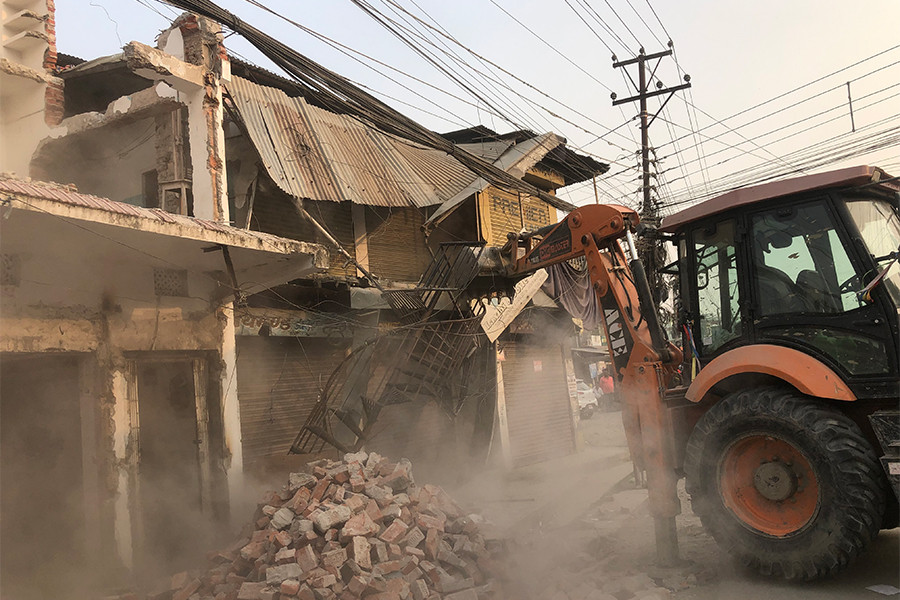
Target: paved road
{"points": [[553, 512], [879, 565]]}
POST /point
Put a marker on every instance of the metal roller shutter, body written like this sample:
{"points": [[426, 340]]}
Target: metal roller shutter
{"points": [[397, 250], [537, 402], [278, 383]]}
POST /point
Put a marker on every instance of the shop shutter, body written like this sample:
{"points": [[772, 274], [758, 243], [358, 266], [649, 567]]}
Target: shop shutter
{"points": [[537, 402], [279, 379], [397, 250]]}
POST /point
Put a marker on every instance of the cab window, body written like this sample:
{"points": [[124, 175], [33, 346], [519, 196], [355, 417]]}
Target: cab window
{"points": [[715, 269], [800, 264]]}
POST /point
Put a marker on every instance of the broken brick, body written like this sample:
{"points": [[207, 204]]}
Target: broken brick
{"points": [[322, 581], [301, 480], [290, 587], [307, 559], [335, 558], [432, 541], [275, 575], [414, 537], [419, 590], [360, 551], [285, 555], [320, 488], [430, 522], [251, 591], [395, 531], [186, 592], [282, 518], [253, 550], [328, 519], [359, 525]]}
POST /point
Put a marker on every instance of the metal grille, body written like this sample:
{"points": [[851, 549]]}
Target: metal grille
{"points": [[423, 361], [170, 282], [10, 271]]}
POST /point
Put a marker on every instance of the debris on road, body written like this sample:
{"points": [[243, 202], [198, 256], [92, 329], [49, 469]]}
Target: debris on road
{"points": [[356, 528]]}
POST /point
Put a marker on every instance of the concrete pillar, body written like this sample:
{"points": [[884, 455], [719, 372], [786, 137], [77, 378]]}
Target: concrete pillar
{"points": [[125, 461], [231, 414]]}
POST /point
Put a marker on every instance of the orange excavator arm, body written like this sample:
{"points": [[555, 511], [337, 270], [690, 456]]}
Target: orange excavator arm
{"points": [[645, 362]]}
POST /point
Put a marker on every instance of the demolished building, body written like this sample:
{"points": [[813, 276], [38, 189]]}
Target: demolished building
{"points": [[186, 301]]}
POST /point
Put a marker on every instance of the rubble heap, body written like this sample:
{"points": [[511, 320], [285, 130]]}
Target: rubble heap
{"points": [[357, 528]]}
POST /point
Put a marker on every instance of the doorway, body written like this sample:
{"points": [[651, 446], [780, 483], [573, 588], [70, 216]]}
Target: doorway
{"points": [[172, 526], [41, 478]]}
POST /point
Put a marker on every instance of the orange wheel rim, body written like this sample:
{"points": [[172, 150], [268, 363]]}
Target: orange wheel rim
{"points": [[769, 485]]}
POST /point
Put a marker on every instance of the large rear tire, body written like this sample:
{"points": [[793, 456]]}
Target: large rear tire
{"points": [[786, 484]]}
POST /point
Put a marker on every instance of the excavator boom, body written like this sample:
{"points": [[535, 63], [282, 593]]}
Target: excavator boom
{"points": [[644, 362]]}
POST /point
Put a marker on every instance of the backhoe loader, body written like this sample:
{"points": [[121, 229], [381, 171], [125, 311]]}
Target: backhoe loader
{"points": [[782, 392]]}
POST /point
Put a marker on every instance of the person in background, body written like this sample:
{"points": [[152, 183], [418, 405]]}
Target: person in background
{"points": [[606, 382]]}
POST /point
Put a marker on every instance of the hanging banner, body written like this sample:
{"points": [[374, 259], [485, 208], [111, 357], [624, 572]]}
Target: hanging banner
{"points": [[498, 317]]}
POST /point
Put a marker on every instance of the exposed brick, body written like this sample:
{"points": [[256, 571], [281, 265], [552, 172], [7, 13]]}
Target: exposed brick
{"points": [[391, 512], [386, 567], [283, 539], [379, 494], [379, 552], [355, 502], [305, 593], [373, 510], [430, 522], [398, 586]]}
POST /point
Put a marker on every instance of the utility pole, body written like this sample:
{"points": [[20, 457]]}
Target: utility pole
{"points": [[649, 249]]}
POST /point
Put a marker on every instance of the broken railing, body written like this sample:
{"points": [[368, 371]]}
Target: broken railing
{"points": [[421, 360]]}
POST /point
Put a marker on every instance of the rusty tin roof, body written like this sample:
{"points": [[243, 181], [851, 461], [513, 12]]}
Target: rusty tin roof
{"points": [[312, 153]]}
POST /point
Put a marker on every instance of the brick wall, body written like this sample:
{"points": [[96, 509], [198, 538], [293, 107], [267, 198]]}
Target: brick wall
{"points": [[54, 99], [50, 30]]}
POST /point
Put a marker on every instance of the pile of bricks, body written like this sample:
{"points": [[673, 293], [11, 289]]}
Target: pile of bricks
{"points": [[357, 528]]}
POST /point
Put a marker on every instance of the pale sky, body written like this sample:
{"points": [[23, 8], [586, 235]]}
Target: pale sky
{"points": [[738, 54]]}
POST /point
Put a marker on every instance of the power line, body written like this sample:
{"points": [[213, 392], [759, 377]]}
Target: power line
{"points": [[505, 71], [795, 123], [804, 86]]}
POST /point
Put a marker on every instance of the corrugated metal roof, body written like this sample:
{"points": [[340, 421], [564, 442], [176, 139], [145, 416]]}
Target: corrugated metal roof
{"points": [[488, 150], [312, 153], [65, 195]]}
